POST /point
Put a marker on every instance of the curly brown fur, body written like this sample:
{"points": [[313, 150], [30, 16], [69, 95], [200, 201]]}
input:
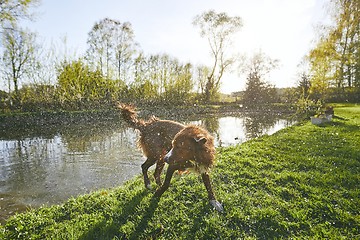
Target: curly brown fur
{"points": [[155, 139], [194, 143], [129, 114], [190, 147], [193, 148]]}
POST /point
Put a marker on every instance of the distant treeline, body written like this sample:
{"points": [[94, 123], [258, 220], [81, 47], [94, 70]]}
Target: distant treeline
{"points": [[159, 80], [114, 68]]}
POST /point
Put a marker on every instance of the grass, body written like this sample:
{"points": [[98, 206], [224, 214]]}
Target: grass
{"points": [[300, 183]]}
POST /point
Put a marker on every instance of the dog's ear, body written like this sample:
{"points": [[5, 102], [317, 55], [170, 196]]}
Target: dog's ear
{"points": [[200, 139]]}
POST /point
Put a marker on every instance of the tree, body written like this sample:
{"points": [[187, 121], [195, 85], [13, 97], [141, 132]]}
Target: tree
{"points": [[346, 37], [218, 29], [19, 57], [111, 47], [162, 78], [125, 48], [144, 86], [303, 84], [179, 89], [78, 84], [13, 10], [202, 73], [321, 73], [101, 44], [336, 57], [258, 91]]}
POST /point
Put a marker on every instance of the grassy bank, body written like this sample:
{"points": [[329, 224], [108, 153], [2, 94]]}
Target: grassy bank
{"points": [[302, 182]]}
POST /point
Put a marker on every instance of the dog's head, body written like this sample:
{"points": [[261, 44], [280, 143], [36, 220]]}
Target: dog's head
{"points": [[193, 143]]}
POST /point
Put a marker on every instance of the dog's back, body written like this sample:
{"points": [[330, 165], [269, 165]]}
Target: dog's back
{"points": [[156, 136]]}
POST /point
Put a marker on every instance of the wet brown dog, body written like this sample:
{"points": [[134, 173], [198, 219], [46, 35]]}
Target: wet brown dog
{"points": [[193, 149], [155, 140], [182, 147]]}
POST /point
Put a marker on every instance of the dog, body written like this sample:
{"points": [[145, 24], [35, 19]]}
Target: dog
{"points": [[155, 140], [192, 149], [182, 147]]}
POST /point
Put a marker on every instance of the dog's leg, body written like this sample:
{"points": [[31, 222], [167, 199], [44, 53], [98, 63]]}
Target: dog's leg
{"points": [[206, 179], [159, 167], [145, 166], [169, 173]]}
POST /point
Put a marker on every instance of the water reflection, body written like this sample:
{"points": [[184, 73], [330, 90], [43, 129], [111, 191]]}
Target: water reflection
{"points": [[61, 162]]}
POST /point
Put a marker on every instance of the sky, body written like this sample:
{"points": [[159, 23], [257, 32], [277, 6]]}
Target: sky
{"points": [[282, 29]]}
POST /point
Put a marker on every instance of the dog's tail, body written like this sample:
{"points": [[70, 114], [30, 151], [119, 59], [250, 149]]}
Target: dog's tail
{"points": [[128, 113]]}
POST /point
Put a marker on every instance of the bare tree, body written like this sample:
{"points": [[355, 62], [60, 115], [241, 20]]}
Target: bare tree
{"points": [[111, 46], [125, 48], [19, 56], [13, 10], [218, 29], [202, 73], [259, 65], [100, 45]]}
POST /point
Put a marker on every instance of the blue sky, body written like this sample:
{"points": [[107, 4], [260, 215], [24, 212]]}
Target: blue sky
{"points": [[282, 29]]}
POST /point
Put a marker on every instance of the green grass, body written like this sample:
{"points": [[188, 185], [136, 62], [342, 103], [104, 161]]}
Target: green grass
{"points": [[300, 183]]}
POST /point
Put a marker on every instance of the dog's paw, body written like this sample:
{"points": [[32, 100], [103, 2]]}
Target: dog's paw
{"points": [[217, 205]]}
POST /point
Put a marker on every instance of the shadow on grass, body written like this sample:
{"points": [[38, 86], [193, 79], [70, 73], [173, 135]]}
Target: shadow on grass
{"points": [[343, 123], [145, 218], [346, 126], [109, 227]]}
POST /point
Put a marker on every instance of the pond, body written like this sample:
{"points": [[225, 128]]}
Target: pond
{"points": [[49, 165]]}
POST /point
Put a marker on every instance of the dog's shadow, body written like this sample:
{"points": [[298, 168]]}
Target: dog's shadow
{"points": [[145, 219]]}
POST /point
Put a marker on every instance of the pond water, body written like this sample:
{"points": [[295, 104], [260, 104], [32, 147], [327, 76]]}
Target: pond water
{"points": [[49, 165]]}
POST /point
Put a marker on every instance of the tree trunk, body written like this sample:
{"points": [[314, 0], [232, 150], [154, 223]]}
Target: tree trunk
{"points": [[208, 89]]}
